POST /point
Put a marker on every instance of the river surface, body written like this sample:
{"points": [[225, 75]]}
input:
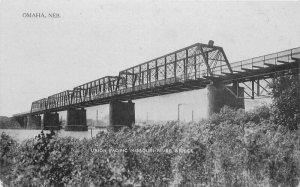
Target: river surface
{"points": [[23, 134]]}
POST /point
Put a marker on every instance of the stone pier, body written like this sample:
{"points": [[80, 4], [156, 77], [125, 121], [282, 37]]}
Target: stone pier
{"points": [[22, 120], [121, 114], [33, 122], [76, 120], [51, 121], [219, 96]]}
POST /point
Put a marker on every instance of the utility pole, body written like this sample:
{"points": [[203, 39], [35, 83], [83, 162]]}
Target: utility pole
{"points": [[97, 118], [92, 130], [178, 111], [147, 117], [192, 115]]}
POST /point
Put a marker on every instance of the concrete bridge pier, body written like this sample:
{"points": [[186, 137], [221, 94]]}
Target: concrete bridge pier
{"points": [[51, 121], [33, 122], [218, 96], [22, 120], [121, 114], [76, 120]]}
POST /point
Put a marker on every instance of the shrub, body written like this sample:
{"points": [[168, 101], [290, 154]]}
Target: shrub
{"points": [[44, 160], [286, 102], [8, 151], [7, 148]]}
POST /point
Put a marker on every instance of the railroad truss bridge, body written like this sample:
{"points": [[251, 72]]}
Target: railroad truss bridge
{"points": [[197, 66]]}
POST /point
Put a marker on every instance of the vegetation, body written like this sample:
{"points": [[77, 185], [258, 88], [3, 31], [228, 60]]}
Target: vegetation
{"points": [[286, 95], [232, 148], [9, 123]]}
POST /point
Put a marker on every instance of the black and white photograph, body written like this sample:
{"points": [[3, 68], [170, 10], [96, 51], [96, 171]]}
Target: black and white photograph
{"points": [[152, 93]]}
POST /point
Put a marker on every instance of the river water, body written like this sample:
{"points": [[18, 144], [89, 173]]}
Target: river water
{"points": [[23, 134]]}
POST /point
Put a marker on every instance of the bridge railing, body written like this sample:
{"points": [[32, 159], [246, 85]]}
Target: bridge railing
{"points": [[259, 62]]}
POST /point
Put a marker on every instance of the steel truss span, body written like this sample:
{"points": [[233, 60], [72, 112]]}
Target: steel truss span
{"points": [[193, 67]]}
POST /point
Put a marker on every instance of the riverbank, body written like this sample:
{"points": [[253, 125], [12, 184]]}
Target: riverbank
{"points": [[22, 134]]}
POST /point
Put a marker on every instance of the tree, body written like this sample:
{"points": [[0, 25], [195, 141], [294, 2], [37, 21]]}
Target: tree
{"points": [[286, 101]]}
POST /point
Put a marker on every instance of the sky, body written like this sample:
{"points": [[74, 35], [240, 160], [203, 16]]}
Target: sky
{"points": [[92, 39]]}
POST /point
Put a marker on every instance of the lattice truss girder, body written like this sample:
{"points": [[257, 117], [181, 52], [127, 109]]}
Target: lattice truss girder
{"points": [[86, 92], [61, 99], [190, 63], [39, 105], [94, 89]]}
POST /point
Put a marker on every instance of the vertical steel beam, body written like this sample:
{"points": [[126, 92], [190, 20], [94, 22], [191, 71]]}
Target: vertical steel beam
{"points": [[126, 78], [253, 92], [133, 78], [72, 96], [140, 74], [103, 85], [56, 100], [165, 58], [148, 74], [83, 92], [60, 99], [175, 66], [185, 64], [57, 96], [205, 60], [258, 89], [80, 100], [118, 83], [99, 87], [114, 84], [90, 91], [68, 97], [63, 98], [156, 71], [195, 66]]}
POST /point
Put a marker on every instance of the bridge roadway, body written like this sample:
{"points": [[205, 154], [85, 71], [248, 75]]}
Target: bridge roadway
{"points": [[194, 67]]}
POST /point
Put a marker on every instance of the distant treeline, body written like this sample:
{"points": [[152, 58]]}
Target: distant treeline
{"points": [[9, 123]]}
